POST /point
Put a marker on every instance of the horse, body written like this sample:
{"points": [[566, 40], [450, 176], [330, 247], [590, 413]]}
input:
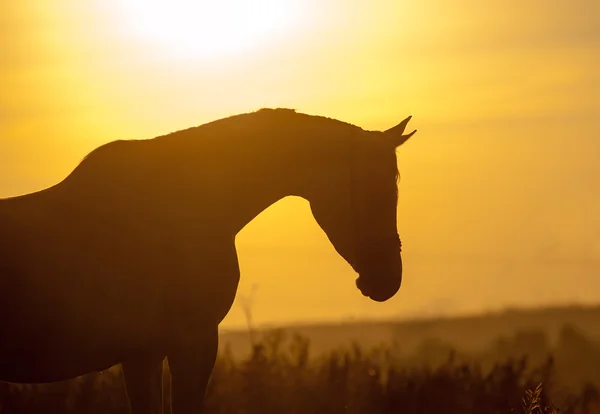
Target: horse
{"points": [[131, 258]]}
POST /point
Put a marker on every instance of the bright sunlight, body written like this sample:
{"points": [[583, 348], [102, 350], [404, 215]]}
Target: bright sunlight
{"points": [[208, 29]]}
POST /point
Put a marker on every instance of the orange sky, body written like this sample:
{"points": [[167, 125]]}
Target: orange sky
{"points": [[499, 192]]}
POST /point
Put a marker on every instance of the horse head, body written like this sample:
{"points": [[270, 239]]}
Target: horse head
{"points": [[357, 209]]}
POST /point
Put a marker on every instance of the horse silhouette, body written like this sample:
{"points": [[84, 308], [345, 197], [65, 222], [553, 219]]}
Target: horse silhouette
{"points": [[131, 259]]}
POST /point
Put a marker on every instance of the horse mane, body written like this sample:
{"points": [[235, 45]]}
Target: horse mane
{"points": [[263, 115], [197, 136], [266, 116]]}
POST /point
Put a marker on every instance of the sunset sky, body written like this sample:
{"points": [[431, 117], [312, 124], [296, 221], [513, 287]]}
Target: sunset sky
{"points": [[500, 188]]}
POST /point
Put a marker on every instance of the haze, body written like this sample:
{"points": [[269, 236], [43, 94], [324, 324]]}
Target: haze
{"points": [[499, 190]]}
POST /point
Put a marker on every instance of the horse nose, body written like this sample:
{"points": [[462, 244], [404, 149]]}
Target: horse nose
{"points": [[378, 292], [359, 285]]}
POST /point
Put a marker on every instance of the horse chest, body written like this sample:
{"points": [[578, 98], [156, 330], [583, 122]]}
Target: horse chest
{"points": [[206, 287]]}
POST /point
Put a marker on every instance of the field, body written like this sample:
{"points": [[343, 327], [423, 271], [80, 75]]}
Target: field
{"points": [[526, 368]]}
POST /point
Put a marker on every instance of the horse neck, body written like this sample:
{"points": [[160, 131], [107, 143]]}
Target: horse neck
{"points": [[262, 187]]}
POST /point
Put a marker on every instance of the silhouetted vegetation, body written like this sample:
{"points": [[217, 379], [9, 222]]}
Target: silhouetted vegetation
{"points": [[523, 373]]}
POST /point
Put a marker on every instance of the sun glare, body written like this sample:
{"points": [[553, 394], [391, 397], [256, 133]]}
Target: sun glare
{"points": [[206, 29]]}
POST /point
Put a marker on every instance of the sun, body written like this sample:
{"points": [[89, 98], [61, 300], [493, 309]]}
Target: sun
{"points": [[206, 29]]}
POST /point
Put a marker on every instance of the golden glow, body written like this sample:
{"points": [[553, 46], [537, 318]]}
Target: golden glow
{"points": [[206, 29], [498, 191]]}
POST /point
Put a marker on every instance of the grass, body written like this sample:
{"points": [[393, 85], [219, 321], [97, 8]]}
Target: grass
{"points": [[281, 376]]}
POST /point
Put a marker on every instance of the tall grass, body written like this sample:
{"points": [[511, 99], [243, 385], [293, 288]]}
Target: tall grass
{"points": [[280, 376]]}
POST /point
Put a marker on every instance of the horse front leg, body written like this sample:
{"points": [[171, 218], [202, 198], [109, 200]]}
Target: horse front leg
{"points": [[143, 383], [191, 363]]}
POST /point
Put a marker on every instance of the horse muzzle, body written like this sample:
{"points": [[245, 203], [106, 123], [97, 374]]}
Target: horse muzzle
{"points": [[379, 289]]}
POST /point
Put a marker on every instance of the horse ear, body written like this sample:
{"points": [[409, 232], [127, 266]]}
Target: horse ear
{"points": [[396, 132]]}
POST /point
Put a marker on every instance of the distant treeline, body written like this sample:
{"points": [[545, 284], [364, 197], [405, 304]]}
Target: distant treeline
{"points": [[522, 373]]}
